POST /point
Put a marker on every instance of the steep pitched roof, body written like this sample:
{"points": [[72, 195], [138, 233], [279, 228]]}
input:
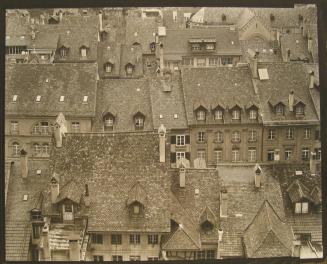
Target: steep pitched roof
{"points": [[285, 77], [209, 15], [70, 190], [109, 52], [265, 231], [51, 81], [115, 162], [180, 240], [229, 85], [297, 191], [131, 54], [297, 45], [17, 30], [176, 41]]}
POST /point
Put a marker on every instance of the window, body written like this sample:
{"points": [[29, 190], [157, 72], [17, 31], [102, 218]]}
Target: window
{"points": [[180, 140], [218, 114], [307, 133], [14, 98], [252, 154], [108, 121], [253, 114], [134, 239], [85, 97], [210, 254], [236, 114], [271, 155], [38, 98], [196, 46], [201, 154], [288, 154], [279, 109], [200, 115], [252, 135], [180, 155], [15, 148], [46, 149], [213, 61], [218, 155], [108, 67], [299, 110], [317, 134], [188, 61], [97, 258], [226, 61], [116, 239], [68, 208], [96, 239], [210, 46], [75, 127], [152, 239], [35, 254], [271, 134], [220, 137], [134, 258], [63, 53], [136, 209], [201, 254], [153, 258], [201, 62], [236, 136], [235, 155], [117, 258], [36, 149], [44, 128], [301, 208], [139, 122], [83, 52], [318, 153], [14, 127], [36, 231], [201, 136], [61, 98], [305, 153], [129, 70], [289, 133]]}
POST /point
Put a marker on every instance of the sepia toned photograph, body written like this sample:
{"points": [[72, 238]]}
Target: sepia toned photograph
{"points": [[162, 133]]}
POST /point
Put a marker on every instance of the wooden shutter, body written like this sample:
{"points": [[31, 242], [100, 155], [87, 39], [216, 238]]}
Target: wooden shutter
{"points": [[173, 140], [187, 139], [188, 155], [172, 157]]}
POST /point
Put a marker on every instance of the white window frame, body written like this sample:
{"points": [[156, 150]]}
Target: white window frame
{"points": [[236, 114], [180, 140], [85, 98], [235, 155], [37, 149], [218, 155], [83, 52], [129, 70], [14, 98], [220, 136], [62, 98], [236, 136], [196, 46], [135, 239], [201, 136], [63, 53], [213, 61], [226, 61], [46, 149], [15, 148], [299, 109], [301, 208], [218, 114], [38, 98], [288, 154], [305, 153], [180, 155], [290, 133], [109, 121], [210, 46], [201, 115], [14, 126], [44, 128], [253, 135], [252, 154], [201, 154], [271, 134], [307, 133], [253, 114], [279, 110], [139, 121], [108, 68]]}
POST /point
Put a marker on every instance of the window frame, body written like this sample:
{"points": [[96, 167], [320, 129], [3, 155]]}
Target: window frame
{"points": [[97, 258], [305, 153], [253, 134], [236, 136], [14, 127], [252, 154], [218, 155], [220, 136], [181, 154], [253, 114], [117, 258], [116, 239], [201, 115], [288, 154], [200, 137], [16, 148], [299, 110], [290, 133], [236, 114], [96, 238], [135, 239], [307, 133], [180, 140], [235, 155], [271, 134], [139, 122], [153, 239], [218, 114]]}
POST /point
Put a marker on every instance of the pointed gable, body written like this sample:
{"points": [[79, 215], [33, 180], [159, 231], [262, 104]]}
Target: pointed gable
{"points": [[265, 231], [70, 191], [207, 216], [180, 240], [297, 191], [137, 194]]}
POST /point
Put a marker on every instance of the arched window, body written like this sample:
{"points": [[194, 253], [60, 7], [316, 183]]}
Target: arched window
{"points": [[129, 69], [15, 148]]}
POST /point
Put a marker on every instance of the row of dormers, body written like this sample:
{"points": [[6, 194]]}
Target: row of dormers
{"points": [[61, 98]]}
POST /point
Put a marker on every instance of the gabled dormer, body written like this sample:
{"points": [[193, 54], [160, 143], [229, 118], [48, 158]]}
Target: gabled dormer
{"points": [[108, 67], [108, 121], [200, 111], [84, 49], [299, 107], [136, 201], [129, 69], [252, 111], [218, 110], [63, 51], [207, 220], [279, 109], [139, 119], [235, 112]]}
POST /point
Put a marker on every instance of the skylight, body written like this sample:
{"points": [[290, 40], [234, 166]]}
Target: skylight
{"points": [[85, 99], [62, 98], [38, 172], [175, 116], [38, 98], [25, 197], [263, 74], [14, 98], [161, 116]]}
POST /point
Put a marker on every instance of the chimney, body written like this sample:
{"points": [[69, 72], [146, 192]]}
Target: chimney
{"points": [[100, 20], [310, 45], [223, 203], [33, 35], [74, 250], [291, 101], [46, 256], [313, 164], [288, 55], [60, 15], [54, 188], [86, 196], [24, 163], [220, 235], [161, 59], [162, 142], [58, 136], [182, 172], [255, 65], [312, 80], [278, 37], [257, 176]]}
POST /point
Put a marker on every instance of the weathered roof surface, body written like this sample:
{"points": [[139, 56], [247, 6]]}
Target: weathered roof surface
{"points": [[180, 240], [297, 191], [45, 38], [176, 40], [18, 226], [244, 202], [131, 55], [315, 92], [179, 22], [307, 223], [297, 45], [208, 86], [124, 98], [117, 162], [193, 205], [70, 80], [267, 51], [17, 30], [70, 190], [109, 52], [211, 15], [167, 103], [285, 77], [268, 235]]}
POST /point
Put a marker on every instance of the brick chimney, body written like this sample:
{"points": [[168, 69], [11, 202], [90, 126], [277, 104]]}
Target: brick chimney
{"points": [[161, 52], [45, 244], [223, 203], [74, 250], [257, 176], [312, 80], [54, 189], [291, 101], [162, 142], [24, 163], [313, 163], [220, 234], [100, 21], [182, 172]]}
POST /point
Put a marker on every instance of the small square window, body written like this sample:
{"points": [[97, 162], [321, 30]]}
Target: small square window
{"points": [[85, 98], [38, 98], [175, 116], [14, 98], [96, 239], [83, 52], [38, 172], [160, 116], [62, 98], [25, 197]]}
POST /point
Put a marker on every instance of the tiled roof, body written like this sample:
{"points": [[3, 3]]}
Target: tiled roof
{"points": [[70, 190], [285, 77], [109, 52], [180, 240], [45, 38], [167, 104], [176, 41], [124, 98], [18, 225], [297, 45], [230, 86], [268, 231], [131, 55], [168, 18], [116, 162], [308, 223], [315, 93], [16, 27], [70, 80], [214, 15], [297, 191]]}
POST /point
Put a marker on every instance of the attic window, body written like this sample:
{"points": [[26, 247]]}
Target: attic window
{"points": [[236, 114], [14, 98], [25, 197], [38, 98], [160, 116], [272, 17], [129, 69], [210, 46], [62, 98], [279, 109], [109, 121], [139, 122], [263, 74], [153, 46], [63, 52], [175, 116], [85, 97], [200, 115], [83, 51], [299, 110], [108, 67], [38, 172]]}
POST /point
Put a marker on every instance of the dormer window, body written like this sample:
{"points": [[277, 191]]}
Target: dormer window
{"points": [[62, 98], [219, 114], [153, 47], [63, 52], [139, 121], [236, 114], [85, 98], [14, 98], [279, 110], [83, 51], [201, 115], [136, 200], [129, 69], [207, 226], [109, 120], [196, 46], [253, 114], [299, 109], [272, 17], [136, 209], [38, 98], [210, 46], [108, 67]]}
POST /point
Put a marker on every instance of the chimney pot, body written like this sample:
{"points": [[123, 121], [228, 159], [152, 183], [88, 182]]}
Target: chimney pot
{"points": [[162, 142], [313, 163], [220, 234], [291, 101], [312, 80], [24, 163]]}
